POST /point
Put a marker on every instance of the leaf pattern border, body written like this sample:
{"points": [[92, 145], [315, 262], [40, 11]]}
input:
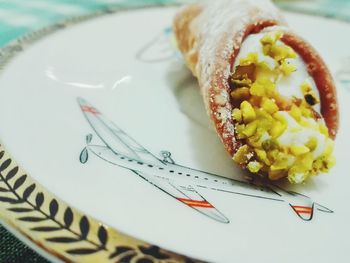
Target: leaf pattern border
{"points": [[64, 231], [48, 222]]}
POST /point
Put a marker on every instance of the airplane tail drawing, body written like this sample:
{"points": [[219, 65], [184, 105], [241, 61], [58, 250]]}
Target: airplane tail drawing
{"points": [[306, 210], [303, 206], [323, 208]]}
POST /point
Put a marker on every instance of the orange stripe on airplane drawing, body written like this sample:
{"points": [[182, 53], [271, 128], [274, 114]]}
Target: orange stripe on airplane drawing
{"points": [[89, 109], [200, 205], [304, 212], [303, 209], [195, 203]]}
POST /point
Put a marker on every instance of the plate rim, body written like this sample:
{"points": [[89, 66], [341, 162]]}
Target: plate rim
{"points": [[110, 243]]}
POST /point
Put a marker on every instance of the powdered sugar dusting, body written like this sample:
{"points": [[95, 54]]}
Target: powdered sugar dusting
{"points": [[221, 25], [219, 30]]}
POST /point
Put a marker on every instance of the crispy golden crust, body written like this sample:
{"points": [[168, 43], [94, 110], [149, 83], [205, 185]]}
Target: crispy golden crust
{"points": [[210, 36]]}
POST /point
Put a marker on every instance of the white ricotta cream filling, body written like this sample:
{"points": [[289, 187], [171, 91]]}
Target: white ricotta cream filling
{"points": [[297, 135], [288, 86]]}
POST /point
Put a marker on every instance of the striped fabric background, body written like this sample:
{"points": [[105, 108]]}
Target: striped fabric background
{"points": [[18, 17]]}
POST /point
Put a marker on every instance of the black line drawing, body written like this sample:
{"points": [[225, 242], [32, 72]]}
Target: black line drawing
{"points": [[180, 182], [343, 74], [161, 48]]}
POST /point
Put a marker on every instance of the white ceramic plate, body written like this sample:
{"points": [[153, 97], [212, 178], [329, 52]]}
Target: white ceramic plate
{"points": [[123, 68]]}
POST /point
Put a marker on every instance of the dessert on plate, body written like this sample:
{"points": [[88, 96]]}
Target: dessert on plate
{"points": [[268, 92]]}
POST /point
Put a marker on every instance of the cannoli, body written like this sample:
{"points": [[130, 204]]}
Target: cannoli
{"points": [[268, 92]]}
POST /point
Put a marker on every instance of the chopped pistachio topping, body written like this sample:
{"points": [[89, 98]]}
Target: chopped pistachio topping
{"points": [[237, 115], [248, 112], [309, 95], [252, 58], [281, 135], [287, 68], [254, 166]]}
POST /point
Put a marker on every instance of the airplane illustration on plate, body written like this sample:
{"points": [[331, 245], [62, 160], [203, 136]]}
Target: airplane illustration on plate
{"points": [[177, 181]]}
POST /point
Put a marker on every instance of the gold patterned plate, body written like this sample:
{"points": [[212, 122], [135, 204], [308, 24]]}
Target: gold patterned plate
{"points": [[102, 122]]}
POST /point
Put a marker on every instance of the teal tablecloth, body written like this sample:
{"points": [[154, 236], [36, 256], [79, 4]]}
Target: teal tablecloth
{"points": [[18, 17]]}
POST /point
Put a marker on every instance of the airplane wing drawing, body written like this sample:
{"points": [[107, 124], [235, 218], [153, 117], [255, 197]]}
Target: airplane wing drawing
{"points": [[186, 194], [118, 143], [114, 137], [180, 182]]}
